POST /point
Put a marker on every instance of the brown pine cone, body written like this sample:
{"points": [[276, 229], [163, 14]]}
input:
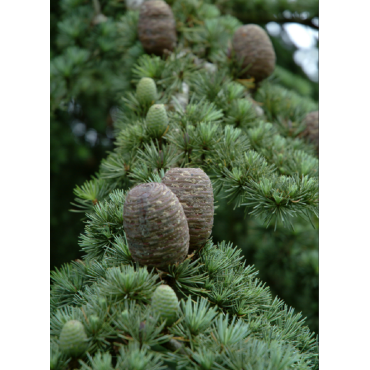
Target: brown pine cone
{"points": [[155, 225], [311, 133], [194, 189], [157, 27], [253, 48]]}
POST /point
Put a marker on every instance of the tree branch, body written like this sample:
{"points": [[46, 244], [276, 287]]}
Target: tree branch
{"points": [[306, 22], [282, 20], [174, 345], [96, 5]]}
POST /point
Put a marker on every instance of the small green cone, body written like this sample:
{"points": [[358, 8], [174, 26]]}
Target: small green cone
{"points": [[146, 91], [125, 315], [73, 339], [95, 323], [103, 303], [157, 120], [165, 303]]}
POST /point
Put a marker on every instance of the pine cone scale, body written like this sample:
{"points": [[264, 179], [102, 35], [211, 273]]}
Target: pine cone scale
{"points": [[253, 49], [194, 189], [155, 212], [157, 231], [157, 27]]}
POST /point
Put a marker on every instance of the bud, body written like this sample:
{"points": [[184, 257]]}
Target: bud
{"points": [[194, 190], [73, 340], [124, 314], [253, 48], [94, 322], [157, 120], [165, 303], [103, 303], [146, 91], [155, 225]]}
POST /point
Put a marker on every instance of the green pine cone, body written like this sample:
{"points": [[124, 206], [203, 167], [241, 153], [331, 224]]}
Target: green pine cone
{"points": [[95, 322], [157, 120], [125, 314], [146, 91], [165, 303], [73, 339]]}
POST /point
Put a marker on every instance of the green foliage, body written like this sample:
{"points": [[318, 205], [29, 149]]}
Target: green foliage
{"points": [[198, 316], [103, 225], [278, 180], [287, 260], [92, 191], [99, 362], [121, 284], [246, 140], [96, 62], [280, 104], [293, 82], [113, 303], [58, 361], [135, 358], [262, 11]]}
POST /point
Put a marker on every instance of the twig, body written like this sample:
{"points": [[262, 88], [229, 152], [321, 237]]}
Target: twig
{"points": [[96, 5], [174, 345], [306, 22]]}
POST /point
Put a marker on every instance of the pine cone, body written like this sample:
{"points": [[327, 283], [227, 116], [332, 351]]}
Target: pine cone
{"points": [[253, 47], [311, 133], [73, 339], [155, 224], [157, 120], [146, 91], [124, 314], [194, 189], [157, 27], [95, 323], [165, 303]]}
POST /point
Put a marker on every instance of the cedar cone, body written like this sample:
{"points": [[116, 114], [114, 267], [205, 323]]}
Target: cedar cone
{"points": [[95, 323], [253, 48], [312, 128], [146, 91], [165, 303], [73, 339], [194, 189], [157, 120], [157, 27], [155, 224]]}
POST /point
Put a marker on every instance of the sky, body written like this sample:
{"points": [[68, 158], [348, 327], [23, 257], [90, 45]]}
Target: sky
{"points": [[305, 39]]}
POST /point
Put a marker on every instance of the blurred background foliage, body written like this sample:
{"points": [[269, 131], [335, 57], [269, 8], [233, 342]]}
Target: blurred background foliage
{"points": [[86, 65], [287, 260]]}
